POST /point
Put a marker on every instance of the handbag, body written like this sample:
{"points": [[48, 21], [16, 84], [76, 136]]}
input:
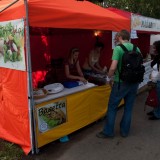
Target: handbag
{"points": [[152, 99]]}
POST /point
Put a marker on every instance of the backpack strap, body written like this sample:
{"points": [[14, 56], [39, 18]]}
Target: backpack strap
{"points": [[125, 50], [123, 47], [134, 48]]}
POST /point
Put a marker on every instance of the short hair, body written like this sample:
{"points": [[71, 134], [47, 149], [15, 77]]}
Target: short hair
{"points": [[99, 44], [124, 34], [157, 46]]}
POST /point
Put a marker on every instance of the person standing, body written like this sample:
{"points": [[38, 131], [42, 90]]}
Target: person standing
{"points": [[155, 64], [120, 90]]}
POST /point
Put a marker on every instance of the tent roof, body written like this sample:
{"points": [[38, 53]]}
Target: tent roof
{"points": [[121, 12], [65, 14]]}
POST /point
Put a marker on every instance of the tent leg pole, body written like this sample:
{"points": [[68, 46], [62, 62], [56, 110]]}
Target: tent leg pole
{"points": [[33, 136]]}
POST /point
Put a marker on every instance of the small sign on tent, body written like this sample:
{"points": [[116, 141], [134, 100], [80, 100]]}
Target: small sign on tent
{"points": [[12, 45]]}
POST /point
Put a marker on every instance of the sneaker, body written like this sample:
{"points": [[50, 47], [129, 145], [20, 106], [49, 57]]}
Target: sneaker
{"points": [[64, 139], [124, 136], [102, 135], [150, 113], [153, 118]]}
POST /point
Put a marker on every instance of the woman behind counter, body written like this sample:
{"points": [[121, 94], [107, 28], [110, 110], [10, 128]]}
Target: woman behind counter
{"points": [[92, 62], [91, 67], [73, 71]]}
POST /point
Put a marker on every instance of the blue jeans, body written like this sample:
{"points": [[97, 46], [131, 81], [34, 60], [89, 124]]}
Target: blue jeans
{"points": [[128, 93], [157, 109]]}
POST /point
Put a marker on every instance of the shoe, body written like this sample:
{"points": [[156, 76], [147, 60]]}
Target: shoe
{"points": [[64, 139], [102, 135], [150, 113], [153, 118], [124, 136]]}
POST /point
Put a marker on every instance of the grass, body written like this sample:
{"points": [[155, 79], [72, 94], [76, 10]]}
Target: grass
{"points": [[10, 151]]}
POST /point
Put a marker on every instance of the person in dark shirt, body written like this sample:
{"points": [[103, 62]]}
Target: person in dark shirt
{"points": [[73, 70], [155, 114]]}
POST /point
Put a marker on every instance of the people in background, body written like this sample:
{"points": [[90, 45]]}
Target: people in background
{"points": [[73, 70], [120, 90], [92, 70], [116, 40], [155, 76], [91, 64]]}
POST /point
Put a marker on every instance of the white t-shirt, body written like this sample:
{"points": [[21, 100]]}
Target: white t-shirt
{"points": [[155, 74]]}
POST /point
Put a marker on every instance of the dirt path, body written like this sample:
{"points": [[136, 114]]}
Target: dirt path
{"points": [[142, 144]]}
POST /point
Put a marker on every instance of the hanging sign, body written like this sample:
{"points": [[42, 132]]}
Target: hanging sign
{"points": [[12, 45], [51, 115], [114, 42], [134, 34], [142, 23]]}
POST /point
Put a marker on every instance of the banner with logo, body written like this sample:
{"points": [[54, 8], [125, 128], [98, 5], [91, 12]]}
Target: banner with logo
{"points": [[142, 23], [12, 45], [51, 115]]}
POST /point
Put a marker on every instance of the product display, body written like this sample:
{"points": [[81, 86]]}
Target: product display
{"points": [[39, 93], [54, 88]]}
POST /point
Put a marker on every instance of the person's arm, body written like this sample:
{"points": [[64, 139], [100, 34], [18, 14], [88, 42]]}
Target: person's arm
{"points": [[79, 69], [68, 75], [112, 68], [98, 66], [91, 65], [155, 60], [114, 64]]}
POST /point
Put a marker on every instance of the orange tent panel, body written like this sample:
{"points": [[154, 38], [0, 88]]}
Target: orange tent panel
{"points": [[66, 14], [14, 119]]}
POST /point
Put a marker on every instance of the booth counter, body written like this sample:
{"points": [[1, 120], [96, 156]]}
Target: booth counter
{"points": [[60, 114]]}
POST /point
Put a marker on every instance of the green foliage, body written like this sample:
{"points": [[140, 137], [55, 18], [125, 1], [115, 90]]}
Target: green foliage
{"points": [[10, 151], [148, 8]]}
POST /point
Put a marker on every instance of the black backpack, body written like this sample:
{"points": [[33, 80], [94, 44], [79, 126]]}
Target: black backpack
{"points": [[132, 70]]}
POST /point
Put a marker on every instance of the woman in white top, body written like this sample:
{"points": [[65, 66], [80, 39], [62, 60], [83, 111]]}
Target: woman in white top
{"points": [[91, 63], [91, 67], [155, 76]]}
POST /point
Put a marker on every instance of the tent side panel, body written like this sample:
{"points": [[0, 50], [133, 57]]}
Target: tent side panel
{"points": [[16, 11], [14, 119]]}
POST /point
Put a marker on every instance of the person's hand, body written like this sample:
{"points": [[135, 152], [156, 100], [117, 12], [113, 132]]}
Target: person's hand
{"points": [[110, 81], [83, 80]]}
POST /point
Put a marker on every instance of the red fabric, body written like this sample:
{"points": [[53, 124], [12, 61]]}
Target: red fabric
{"points": [[152, 99], [66, 14], [14, 119], [16, 11], [143, 42], [60, 41], [120, 12]]}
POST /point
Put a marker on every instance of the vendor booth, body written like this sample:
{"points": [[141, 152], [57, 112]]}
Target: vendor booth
{"points": [[145, 27], [32, 33]]}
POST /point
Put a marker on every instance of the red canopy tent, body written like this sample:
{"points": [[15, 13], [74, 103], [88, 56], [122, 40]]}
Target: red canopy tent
{"points": [[143, 40], [120, 12], [71, 14], [15, 86]]}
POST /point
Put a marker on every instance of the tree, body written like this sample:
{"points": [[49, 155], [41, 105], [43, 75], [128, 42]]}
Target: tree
{"points": [[148, 8]]}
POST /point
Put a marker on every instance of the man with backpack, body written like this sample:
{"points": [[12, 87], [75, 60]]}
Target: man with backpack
{"points": [[126, 61]]}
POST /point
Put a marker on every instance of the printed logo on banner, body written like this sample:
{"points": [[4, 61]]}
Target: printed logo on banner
{"points": [[12, 44], [51, 115]]}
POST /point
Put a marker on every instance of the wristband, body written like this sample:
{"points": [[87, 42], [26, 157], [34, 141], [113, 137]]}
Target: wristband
{"points": [[108, 79]]}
